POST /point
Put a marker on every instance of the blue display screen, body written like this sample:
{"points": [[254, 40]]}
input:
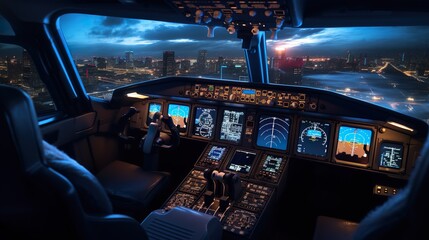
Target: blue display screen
{"points": [[216, 153], [180, 114], [314, 138], [273, 132], [153, 108], [249, 91], [354, 144], [204, 122]]}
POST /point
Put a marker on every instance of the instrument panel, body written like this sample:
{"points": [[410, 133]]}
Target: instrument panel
{"points": [[364, 145], [256, 132]]}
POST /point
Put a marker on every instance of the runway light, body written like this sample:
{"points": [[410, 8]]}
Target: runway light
{"points": [[401, 126], [411, 99]]}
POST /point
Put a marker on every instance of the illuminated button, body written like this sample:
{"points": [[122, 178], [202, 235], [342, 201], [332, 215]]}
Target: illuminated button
{"points": [[378, 189]]}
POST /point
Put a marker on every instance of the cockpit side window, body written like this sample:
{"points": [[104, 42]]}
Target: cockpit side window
{"points": [[18, 69]]}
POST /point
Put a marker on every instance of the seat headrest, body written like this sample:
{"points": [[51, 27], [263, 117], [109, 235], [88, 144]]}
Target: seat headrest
{"points": [[19, 122]]}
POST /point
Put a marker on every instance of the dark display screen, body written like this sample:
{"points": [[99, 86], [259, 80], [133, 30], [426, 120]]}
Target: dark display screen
{"points": [[272, 163], [232, 126], [216, 153], [241, 161], [180, 114], [204, 122], [152, 109], [273, 132], [313, 138], [391, 155], [353, 144]]}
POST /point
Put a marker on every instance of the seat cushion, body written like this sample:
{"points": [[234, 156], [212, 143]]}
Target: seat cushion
{"points": [[131, 188]]}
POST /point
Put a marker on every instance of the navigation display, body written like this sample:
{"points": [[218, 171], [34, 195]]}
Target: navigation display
{"points": [[273, 132], [152, 109], [232, 126], [272, 163], [241, 161], [354, 144], [313, 138], [391, 155], [216, 153], [180, 114], [204, 122]]}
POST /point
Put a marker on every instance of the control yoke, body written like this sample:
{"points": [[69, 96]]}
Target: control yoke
{"points": [[155, 139], [123, 124]]}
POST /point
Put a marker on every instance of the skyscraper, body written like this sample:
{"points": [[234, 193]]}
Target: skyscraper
{"points": [[129, 59], [168, 63], [30, 77], [201, 61]]}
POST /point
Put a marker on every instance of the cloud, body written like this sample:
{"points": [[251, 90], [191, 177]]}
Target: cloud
{"points": [[298, 32], [112, 21], [117, 32]]}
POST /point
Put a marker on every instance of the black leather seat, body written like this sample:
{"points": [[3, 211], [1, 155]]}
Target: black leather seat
{"points": [[132, 190], [45, 194], [405, 215]]}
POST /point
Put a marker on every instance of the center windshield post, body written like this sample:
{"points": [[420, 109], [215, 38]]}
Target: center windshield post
{"points": [[255, 52]]}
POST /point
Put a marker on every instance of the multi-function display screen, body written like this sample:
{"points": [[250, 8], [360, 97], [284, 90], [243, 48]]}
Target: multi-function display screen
{"points": [[204, 122], [354, 144], [273, 132], [232, 126], [313, 138], [391, 155], [272, 163], [216, 152], [180, 114], [241, 161], [152, 109]]}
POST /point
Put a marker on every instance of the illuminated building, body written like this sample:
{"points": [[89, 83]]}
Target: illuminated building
{"points": [[129, 59], [201, 61], [168, 63]]}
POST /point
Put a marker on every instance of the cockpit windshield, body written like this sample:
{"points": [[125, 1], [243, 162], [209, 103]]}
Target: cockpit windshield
{"points": [[387, 66]]}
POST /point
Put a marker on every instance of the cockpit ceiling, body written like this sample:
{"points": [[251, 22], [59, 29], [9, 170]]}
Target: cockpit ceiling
{"points": [[267, 15]]}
